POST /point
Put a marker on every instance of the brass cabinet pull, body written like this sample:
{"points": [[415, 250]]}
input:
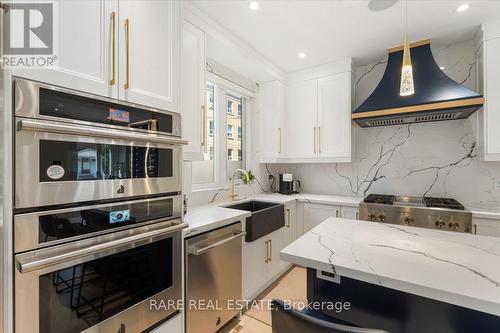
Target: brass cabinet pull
{"points": [[267, 252], [270, 250], [319, 139], [279, 137], [127, 50], [475, 229], [288, 218], [315, 139], [113, 49], [203, 125]]}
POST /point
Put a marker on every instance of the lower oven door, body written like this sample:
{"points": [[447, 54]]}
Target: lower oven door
{"points": [[112, 283], [59, 163]]}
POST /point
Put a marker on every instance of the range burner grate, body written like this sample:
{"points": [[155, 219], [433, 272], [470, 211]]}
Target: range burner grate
{"points": [[384, 199], [443, 203]]}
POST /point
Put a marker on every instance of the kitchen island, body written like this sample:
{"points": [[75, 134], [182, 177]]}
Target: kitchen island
{"points": [[402, 279]]}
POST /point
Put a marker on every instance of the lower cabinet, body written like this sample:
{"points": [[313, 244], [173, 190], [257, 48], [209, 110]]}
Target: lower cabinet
{"points": [[261, 262], [173, 325], [486, 227], [315, 213], [349, 212]]}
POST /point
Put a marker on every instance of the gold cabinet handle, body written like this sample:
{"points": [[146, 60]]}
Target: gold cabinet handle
{"points": [[113, 49], [319, 139], [475, 229], [127, 50], [315, 139], [270, 250], [279, 138], [288, 218], [267, 252], [203, 125]]}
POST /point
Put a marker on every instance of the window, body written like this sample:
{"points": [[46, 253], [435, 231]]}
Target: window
{"points": [[225, 149]]}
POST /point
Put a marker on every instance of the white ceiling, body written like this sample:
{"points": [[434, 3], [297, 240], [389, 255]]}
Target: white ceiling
{"points": [[331, 30]]}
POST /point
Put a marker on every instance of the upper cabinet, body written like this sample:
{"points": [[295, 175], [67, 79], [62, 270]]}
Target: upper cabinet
{"points": [[489, 85], [125, 49], [318, 114], [271, 108], [150, 53], [193, 91], [87, 32]]}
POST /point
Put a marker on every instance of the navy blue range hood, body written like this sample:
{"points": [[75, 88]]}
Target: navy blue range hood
{"points": [[436, 97]]}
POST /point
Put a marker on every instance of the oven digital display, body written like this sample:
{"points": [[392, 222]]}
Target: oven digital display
{"points": [[119, 115], [119, 216]]}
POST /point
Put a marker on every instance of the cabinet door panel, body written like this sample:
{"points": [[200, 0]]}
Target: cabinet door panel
{"points": [[193, 90], [275, 266], [334, 116], [271, 101], [349, 212], [314, 214], [301, 110], [492, 106], [486, 227], [254, 266], [84, 48], [153, 53]]}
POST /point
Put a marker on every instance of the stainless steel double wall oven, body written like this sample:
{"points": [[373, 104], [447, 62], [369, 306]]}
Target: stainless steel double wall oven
{"points": [[97, 212]]}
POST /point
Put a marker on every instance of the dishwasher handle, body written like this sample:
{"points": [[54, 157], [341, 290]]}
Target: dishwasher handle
{"points": [[198, 252]]}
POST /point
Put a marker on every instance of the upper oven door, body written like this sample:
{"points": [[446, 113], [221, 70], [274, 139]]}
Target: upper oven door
{"points": [[102, 284], [41, 101], [59, 163]]}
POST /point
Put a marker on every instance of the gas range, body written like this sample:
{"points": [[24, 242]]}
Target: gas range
{"points": [[425, 212]]}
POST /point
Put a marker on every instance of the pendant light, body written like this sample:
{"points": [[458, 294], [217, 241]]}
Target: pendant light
{"points": [[407, 88]]}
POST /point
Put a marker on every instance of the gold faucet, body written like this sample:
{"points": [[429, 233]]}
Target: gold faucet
{"points": [[246, 179]]}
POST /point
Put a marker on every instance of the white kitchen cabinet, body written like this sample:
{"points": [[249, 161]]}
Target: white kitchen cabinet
{"points": [[290, 231], [486, 227], [173, 325], [349, 212], [261, 262], [334, 117], [318, 115], [271, 108], [84, 54], [315, 213], [193, 91], [301, 119], [149, 53], [254, 267]]}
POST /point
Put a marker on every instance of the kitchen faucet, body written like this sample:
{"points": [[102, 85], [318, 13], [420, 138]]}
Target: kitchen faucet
{"points": [[246, 179]]}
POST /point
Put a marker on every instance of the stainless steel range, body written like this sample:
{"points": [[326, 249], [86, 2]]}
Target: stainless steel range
{"points": [[426, 212]]}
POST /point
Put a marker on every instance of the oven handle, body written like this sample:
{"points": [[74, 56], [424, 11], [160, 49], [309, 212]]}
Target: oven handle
{"points": [[102, 132], [33, 264]]}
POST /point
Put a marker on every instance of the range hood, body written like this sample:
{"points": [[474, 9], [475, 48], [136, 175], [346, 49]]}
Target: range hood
{"points": [[436, 97]]}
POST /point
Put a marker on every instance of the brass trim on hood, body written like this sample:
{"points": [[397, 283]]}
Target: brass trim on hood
{"points": [[419, 108], [413, 44]]}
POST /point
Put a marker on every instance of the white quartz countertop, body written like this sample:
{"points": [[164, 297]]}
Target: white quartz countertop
{"points": [[206, 218], [456, 268]]}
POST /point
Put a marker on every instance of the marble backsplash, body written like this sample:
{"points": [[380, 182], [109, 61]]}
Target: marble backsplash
{"points": [[433, 159]]}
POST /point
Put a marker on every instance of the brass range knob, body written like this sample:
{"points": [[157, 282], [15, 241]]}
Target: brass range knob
{"points": [[381, 217], [454, 225], [372, 217], [440, 223], [409, 220]]}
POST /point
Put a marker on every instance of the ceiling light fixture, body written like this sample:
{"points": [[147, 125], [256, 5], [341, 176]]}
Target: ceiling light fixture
{"points": [[406, 88], [463, 7], [254, 5], [441, 67], [302, 55]]}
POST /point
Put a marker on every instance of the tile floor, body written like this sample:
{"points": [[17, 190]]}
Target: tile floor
{"points": [[292, 286]]}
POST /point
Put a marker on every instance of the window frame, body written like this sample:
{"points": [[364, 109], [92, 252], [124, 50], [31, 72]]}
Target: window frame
{"points": [[223, 88]]}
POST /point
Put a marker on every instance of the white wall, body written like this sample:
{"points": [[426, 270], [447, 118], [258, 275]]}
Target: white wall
{"points": [[437, 159]]}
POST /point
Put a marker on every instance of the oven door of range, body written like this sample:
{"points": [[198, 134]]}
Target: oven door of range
{"points": [[58, 163], [104, 284]]}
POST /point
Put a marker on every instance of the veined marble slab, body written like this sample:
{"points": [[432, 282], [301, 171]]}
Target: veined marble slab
{"points": [[206, 218], [456, 268]]}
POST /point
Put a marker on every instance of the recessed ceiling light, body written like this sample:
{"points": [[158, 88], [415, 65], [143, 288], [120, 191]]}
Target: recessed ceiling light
{"points": [[441, 67], [254, 5], [463, 7], [302, 55]]}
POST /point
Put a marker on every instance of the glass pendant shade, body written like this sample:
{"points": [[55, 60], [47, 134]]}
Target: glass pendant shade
{"points": [[407, 88]]}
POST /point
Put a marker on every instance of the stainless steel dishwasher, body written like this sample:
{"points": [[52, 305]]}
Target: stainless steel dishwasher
{"points": [[213, 278]]}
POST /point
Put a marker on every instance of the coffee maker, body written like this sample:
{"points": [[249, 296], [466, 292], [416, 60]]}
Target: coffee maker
{"points": [[286, 183]]}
